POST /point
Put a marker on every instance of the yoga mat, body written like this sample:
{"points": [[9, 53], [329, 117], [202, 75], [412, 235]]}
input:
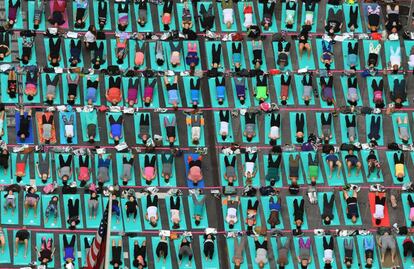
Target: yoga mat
{"points": [[65, 13], [141, 165], [164, 131], [230, 55], [256, 178], [29, 215], [292, 121], [83, 250], [252, 250], [63, 139], [117, 238], [390, 160], [340, 240], [344, 130], [318, 240], [190, 184], [39, 128], [273, 27], [149, 26], [66, 43], [32, 60], [300, 91], [312, 264], [394, 44], [47, 51], [304, 157], [283, 19], [104, 65], [108, 24], [36, 97], [371, 91], [386, 220], [7, 216], [155, 103], [255, 138], [206, 5], [243, 202], [335, 180], [65, 201], [230, 134], [20, 259], [161, 263], [47, 236], [86, 18], [289, 203], [116, 116], [30, 16], [26, 177], [120, 170], [238, 224], [288, 67], [187, 90], [172, 25], [214, 262], [209, 54], [366, 44], [131, 242], [373, 177], [8, 253], [275, 243], [233, 27], [335, 221], [93, 223], [180, 10], [360, 239], [405, 263], [348, 221], [65, 89], [315, 17], [399, 77], [406, 207], [345, 90], [264, 204], [75, 252], [115, 11], [43, 87], [285, 160], [408, 45], [237, 102], [153, 60], [395, 117], [137, 117], [319, 126], [230, 252], [121, 103], [353, 179], [201, 142], [30, 138], [116, 226], [87, 118], [278, 183], [347, 10], [213, 94], [125, 63], [323, 103], [8, 58], [240, 8], [364, 12], [183, 225], [184, 53], [345, 53], [368, 120], [224, 182], [5, 98], [267, 122], [132, 46], [147, 225], [50, 223], [319, 51], [165, 93], [263, 66], [110, 170], [277, 80], [173, 178], [204, 219], [184, 262]]}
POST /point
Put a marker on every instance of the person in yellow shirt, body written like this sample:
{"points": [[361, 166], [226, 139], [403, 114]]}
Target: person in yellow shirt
{"points": [[399, 166]]}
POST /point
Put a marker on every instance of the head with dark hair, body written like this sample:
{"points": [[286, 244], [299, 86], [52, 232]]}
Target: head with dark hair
{"points": [[398, 104], [284, 102], [242, 101], [353, 103], [231, 225], [249, 138], [69, 140], [299, 139], [71, 102], [307, 102], [30, 97]]}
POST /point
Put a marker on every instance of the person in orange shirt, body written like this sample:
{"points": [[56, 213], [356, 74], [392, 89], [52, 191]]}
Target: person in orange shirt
{"points": [[21, 166], [114, 94]]}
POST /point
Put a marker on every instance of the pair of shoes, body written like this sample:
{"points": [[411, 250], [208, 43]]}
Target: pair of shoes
{"points": [[377, 188]]}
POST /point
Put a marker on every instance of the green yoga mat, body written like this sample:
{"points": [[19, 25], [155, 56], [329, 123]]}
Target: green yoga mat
{"points": [[26, 177], [279, 183], [155, 96], [184, 262], [373, 177], [187, 90], [29, 215], [368, 119], [230, 252], [335, 180], [5, 98], [132, 45], [116, 226], [345, 54], [275, 244], [83, 251], [319, 126], [347, 10], [116, 116], [252, 250], [247, 102], [66, 43], [390, 160], [239, 175], [110, 171], [172, 25], [201, 142], [360, 240], [366, 44], [213, 94], [47, 236], [233, 27], [141, 159], [183, 224], [285, 160], [180, 10], [255, 138], [289, 203], [319, 52], [267, 122], [8, 217], [50, 223], [164, 131], [75, 252], [292, 121], [288, 67], [304, 157], [137, 117], [87, 118], [264, 203], [318, 240], [149, 26], [182, 64], [65, 201], [8, 253], [344, 84], [273, 27], [131, 242], [116, 13], [256, 178], [92, 223], [204, 220], [65, 89], [230, 135], [32, 60], [335, 221], [348, 221], [315, 17], [165, 94], [238, 224], [277, 80], [30, 16], [47, 51], [160, 263], [55, 159], [299, 91], [405, 263], [173, 178], [340, 240], [263, 66], [344, 131], [119, 167], [391, 79], [371, 91], [36, 98], [312, 264], [353, 179], [209, 53], [394, 117], [206, 5], [20, 259], [406, 207], [240, 7], [43, 87], [283, 19], [147, 225]]}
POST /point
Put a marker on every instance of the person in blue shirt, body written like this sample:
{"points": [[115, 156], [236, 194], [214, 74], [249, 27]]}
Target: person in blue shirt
{"points": [[352, 161], [368, 251], [69, 250], [116, 128], [333, 162]]}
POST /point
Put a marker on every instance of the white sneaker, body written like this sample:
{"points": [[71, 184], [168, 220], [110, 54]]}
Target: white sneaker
{"points": [[181, 35], [373, 188], [355, 187], [227, 37], [169, 73], [319, 231], [210, 34], [184, 73], [165, 36]]}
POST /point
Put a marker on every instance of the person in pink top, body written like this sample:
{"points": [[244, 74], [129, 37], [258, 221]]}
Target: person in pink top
{"points": [[149, 171], [175, 58], [411, 204], [194, 171], [84, 174], [148, 91], [132, 92]]}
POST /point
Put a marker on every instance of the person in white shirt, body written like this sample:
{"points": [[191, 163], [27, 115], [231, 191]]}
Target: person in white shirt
{"points": [[250, 167], [152, 210], [232, 207], [395, 59], [228, 12], [379, 208], [328, 248], [90, 38], [224, 123], [69, 128], [175, 212], [274, 132]]}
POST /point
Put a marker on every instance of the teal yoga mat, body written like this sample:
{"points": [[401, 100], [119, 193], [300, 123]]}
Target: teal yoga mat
{"points": [[233, 27], [201, 142], [83, 251], [273, 27], [335, 221], [286, 156], [395, 117], [20, 259], [344, 131], [65, 201], [264, 204], [173, 178], [5, 98], [187, 90], [209, 54], [279, 183], [36, 97], [344, 84], [155, 96], [292, 121], [147, 225], [319, 52], [214, 263], [184, 51], [87, 118], [149, 26], [406, 207], [368, 119], [319, 125], [50, 223], [289, 202], [213, 94], [172, 25], [47, 236], [30, 16], [116, 13], [391, 83], [275, 243], [9, 217], [92, 223], [390, 160], [43, 87], [116, 116], [340, 240], [347, 10], [108, 24], [132, 46], [183, 224], [252, 249], [161, 263], [117, 226], [29, 215], [184, 262], [371, 91], [47, 51], [304, 157], [164, 131], [263, 66], [206, 5], [277, 80], [239, 175], [360, 239], [373, 178], [230, 135], [119, 167], [26, 177], [353, 179], [240, 7], [267, 122], [283, 19], [182, 64], [110, 171], [315, 17], [55, 159], [300, 90], [87, 18], [406, 263], [141, 159], [75, 252], [318, 240], [238, 225], [67, 49], [180, 10], [32, 60], [165, 94], [247, 101], [348, 221], [366, 44], [230, 254], [255, 138], [312, 264], [335, 180], [204, 220], [256, 178], [345, 54], [140, 240], [288, 67]]}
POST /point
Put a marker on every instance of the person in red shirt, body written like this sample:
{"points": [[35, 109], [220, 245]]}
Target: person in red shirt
{"points": [[84, 174], [21, 166], [114, 94]]}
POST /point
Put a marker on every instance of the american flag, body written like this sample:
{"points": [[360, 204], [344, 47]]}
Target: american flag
{"points": [[96, 255]]}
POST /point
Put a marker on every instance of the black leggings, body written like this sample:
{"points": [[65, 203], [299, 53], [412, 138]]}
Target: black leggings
{"points": [[92, 84], [220, 83], [195, 86], [196, 162], [250, 118], [113, 121], [410, 200], [132, 211], [168, 6], [326, 121], [261, 80], [328, 245], [350, 122], [375, 126], [153, 202], [300, 122], [5, 39], [228, 163], [126, 161], [102, 13], [307, 80], [326, 84], [380, 200], [310, 5], [268, 10], [407, 248], [175, 204], [311, 160], [216, 53], [251, 206], [281, 48], [236, 48], [377, 87], [162, 250], [208, 249], [47, 120], [400, 159], [258, 245], [352, 82], [123, 8], [224, 115], [83, 162], [72, 241], [353, 17], [298, 209], [114, 83], [63, 162], [144, 120], [275, 120], [149, 162], [353, 49], [133, 84], [274, 163], [250, 159], [54, 48], [372, 59], [73, 208], [286, 81], [80, 13]]}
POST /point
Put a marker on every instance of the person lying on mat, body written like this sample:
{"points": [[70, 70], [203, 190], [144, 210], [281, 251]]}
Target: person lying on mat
{"points": [[399, 166], [399, 93], [392, 22], [373, 163], [167, 166], [167, 11], [240, 84], [251, 215], [408, 248], [273, 167], [149, 170], [52, 208], [283, 252], [224, 116], [208, 246], [28, 39], [239, 248], [13, 8], [290, 13], [47, 250], [275, 208], [352, 59], [378, 88], [73, 85], [148, 92], [220, 90], [54, 51], [195, 173], [327, 212], [274, 132], [298, 214], [352, 95], [185, 249], [170, 127], [114, 93], [172, 91], [116, 128], [140, 252], [142, 13], [379, 208], [261, 256], [327, 90], [92, 88], [333, 162], [75, 52], [206, 17], [127, 168], [304, 43], [152, 210], [56, 17], [132, 94], [230, 170], [351, 128], [65, 168], [24, 124], [81, 13], [257, 47], [334, 22], [395, 59], [10, 202], [175, 51], [307, 84], [39, 9], [121, 47], [84, 171], [162, 249], [250, 126], [228, 12], [103, 169], [294, 163], [30, 201], [373, 55], [199, 206], [284, 89], [310, 6], [20, 167], [216, 57], [326, 123], [352, 161], [283, 52], [22, 236], [47, 125], [175, 211], [262, 91], [4, 45], [31, 84], [232, 208], [69, 252], [4, 160], [328, 251], [351, 205], [89, 39], [403, 129], [369, 246], [195, 121], [374, 18], [411, 205], [12, 84], [349, 252], [327, 57], [123, 16], [73, 213], [300, 124], [250, 167], [304, 256], [116, 260], [387, 242], [51, 85], [93, 204], [192, 58], [268, 14]]}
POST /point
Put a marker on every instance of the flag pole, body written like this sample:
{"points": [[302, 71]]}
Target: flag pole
{"points": [[108, 232]]}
